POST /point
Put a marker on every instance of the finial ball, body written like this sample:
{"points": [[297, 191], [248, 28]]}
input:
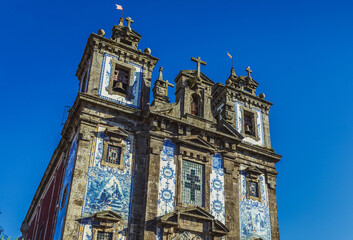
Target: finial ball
{"points": [[101, 32], [147, 50], [262, 95]]}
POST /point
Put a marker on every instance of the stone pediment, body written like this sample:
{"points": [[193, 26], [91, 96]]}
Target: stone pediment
{"points": [[193, 219], [104, 218], [116, 132], [253, 171], [196, 141], [191, 74], [228, 128], [107, 216]]}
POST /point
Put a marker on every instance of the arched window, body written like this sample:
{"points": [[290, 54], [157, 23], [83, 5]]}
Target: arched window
{"points": [[195, 105]]}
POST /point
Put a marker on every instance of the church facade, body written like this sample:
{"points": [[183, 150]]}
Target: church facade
{"points": [[199, 168]]}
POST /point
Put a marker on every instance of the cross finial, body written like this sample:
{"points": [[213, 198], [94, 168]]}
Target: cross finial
{"points": [[249, 71], [160, 76], [167, 84], [129, 21], [199, 62]]}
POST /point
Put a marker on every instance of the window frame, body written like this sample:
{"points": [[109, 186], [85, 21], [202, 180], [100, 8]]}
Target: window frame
{"points": [[117, 64], [253, 175], [204, 186], [114, 140], [198, 99], [253, 114]]}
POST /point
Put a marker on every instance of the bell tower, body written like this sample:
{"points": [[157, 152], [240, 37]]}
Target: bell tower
{"points": [[114, 69], [194, 92]]}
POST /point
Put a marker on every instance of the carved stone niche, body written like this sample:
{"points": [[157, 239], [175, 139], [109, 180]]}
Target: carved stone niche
{"points": [[105, 223], [121, 78], [114, 147], [191, 223], [253, 183]]}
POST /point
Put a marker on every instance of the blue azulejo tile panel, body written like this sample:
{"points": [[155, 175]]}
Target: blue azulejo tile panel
{"points": [[134, 98], [254, 215], [193, 183], [259, 124], [65, 191], [166, 187], [217, 188], [109, 188]]}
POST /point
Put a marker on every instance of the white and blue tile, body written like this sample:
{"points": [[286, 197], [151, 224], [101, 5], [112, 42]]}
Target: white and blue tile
{"points": [[109, 188], [134, 99], [217, 188], [254, 216], [166, 187]]}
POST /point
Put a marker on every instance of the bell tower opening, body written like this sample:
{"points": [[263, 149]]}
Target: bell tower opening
{"points": [[120, 80], [195, 105]]}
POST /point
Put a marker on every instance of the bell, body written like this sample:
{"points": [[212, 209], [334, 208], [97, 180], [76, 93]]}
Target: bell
{"points": [[247, 130], [118, 86]]}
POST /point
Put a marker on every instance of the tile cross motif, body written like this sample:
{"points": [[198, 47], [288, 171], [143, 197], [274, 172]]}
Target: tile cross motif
{"points": [[192, 184]]}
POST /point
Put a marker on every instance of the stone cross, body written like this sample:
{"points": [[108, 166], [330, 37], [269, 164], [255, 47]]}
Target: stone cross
{"points": [[249, 71], [167, 84], [129, 21], [192, 184], [199, 62]]}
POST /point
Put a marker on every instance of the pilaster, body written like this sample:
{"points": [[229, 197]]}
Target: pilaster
{"points": [[273, 206], [155, 146], [78, 182]]}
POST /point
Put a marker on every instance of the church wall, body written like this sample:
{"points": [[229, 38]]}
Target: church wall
{"points": [[254, 216], [107, 188], [132, 101], [47, 205]]}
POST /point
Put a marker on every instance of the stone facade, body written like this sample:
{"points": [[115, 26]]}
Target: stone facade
{"points": [[199, 168]]}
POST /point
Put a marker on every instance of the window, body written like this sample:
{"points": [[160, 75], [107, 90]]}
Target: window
{"points": [[40, 235], [253, 189], [249, 124], [113, 154], [195, 105], [253, 183], [104, 235], [193, 183], [120, 80], [84, 83], [63, 200]]}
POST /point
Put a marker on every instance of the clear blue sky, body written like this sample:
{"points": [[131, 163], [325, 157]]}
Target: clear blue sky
{"points": [[300, 53]]}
